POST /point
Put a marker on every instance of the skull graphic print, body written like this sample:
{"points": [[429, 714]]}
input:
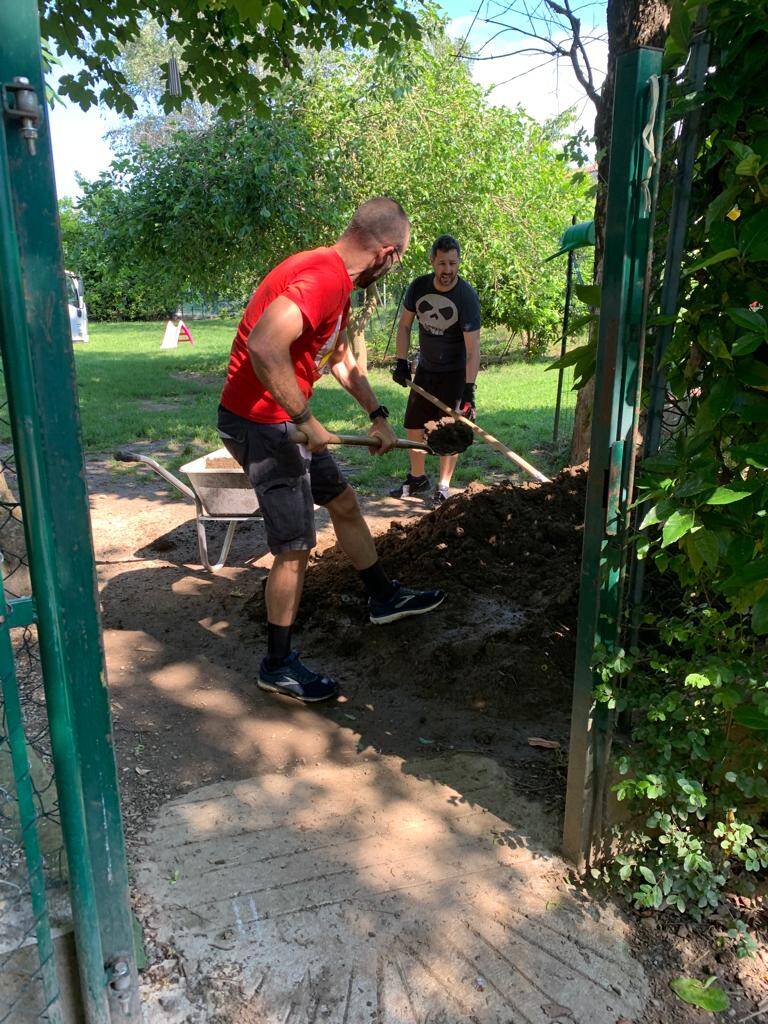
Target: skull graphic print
{"points": [[436, 313]]}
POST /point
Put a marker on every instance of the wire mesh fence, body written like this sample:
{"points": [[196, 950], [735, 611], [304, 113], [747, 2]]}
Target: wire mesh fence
{"points": [[33, 888]]}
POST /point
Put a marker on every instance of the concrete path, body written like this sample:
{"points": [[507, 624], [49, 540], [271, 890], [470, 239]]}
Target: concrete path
{"points": [[359, 893]]}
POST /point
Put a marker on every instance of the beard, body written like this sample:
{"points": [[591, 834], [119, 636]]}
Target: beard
{"points": [[374, 273]]}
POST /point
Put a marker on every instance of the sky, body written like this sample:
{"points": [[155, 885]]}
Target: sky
{"points": [[80, 147]]}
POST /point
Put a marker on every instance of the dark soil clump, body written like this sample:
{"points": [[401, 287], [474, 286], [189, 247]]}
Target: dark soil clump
{"points": [[447, 436]]}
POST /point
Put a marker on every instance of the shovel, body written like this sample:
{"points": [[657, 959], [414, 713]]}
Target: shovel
{"points": [[488, 438]]}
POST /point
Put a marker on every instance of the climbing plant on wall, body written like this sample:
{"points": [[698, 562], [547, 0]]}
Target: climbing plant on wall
{"points": [[697, 682]]}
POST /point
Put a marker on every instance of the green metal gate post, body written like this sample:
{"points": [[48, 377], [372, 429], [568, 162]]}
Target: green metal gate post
{"points": [[42, 396], [639, 94]]}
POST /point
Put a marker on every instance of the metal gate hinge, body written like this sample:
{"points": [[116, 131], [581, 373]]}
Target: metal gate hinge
{"points": [[24, 108]]}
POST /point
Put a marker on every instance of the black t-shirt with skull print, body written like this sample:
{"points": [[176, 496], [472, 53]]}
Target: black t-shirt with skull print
{"points": [[443, 318]]}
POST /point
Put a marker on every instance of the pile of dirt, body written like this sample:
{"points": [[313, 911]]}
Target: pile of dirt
{"points": [[509, 558]]}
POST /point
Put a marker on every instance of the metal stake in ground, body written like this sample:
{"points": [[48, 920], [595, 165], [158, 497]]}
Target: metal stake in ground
{"points": [[488, 438]]}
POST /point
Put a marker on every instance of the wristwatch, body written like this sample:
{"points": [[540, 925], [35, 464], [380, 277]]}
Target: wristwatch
{"points": [[382, 411]]}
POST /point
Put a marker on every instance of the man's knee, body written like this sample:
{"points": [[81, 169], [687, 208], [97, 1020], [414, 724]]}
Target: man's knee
{"points": [[345, 506], [292, 561]]}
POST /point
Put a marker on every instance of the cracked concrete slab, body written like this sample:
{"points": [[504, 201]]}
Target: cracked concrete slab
{"points": [[375, 893]]}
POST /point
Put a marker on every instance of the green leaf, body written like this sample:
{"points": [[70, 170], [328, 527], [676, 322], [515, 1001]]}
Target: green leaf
{"points": [[589, 294], [718, 208], [726, 254], [573, 357], [276, 16], [748, 320], [748, 167], [708, 547], [751, 718], [753, 373], [760, 615], [726, 496], [753, 238], [651, 518], [752, 573], [752, 407], [647, 874], [745, 344], [740, 149], [697, 680], [705, 995], [678, 524], [752, 454]]}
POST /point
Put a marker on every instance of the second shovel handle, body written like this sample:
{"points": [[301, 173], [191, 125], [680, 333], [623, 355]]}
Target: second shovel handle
{"points": [[494, 442]]}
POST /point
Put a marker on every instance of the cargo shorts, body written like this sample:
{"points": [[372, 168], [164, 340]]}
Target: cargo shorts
{"points": [[288, 479]]}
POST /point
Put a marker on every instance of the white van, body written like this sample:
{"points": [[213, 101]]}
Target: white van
{"points": [[78, 314]]}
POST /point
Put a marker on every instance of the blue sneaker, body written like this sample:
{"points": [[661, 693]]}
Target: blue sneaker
{"points": [[403, 603], [294, 679]]}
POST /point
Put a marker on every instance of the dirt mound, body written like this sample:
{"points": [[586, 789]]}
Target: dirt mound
{"points": [[521, 542], [509, 558]]}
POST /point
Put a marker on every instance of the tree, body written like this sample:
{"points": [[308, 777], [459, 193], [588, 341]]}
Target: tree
{"points": [[142, 61], [236, 52], [351, 128], [554, 30]]}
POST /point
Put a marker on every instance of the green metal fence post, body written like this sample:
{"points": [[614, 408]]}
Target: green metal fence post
{"points": [[53, 478], [619, 360], [33, 486]]}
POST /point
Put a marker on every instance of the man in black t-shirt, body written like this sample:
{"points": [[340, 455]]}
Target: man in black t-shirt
{"points": [[448, 312]]}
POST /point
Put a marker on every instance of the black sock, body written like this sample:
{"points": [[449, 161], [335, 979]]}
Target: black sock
{"points": [[416, 479], [376, 582], [278, 644]]}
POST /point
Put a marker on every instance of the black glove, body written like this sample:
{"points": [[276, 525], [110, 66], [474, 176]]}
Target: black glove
{"points": [[467, 404], [402, 372]]}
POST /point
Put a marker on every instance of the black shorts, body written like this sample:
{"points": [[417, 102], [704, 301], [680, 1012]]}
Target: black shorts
{"points": [[288, 480], [447, 385]]}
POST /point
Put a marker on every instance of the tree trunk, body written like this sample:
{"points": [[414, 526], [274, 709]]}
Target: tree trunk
{"points": [[631, 23], [358, 325]]}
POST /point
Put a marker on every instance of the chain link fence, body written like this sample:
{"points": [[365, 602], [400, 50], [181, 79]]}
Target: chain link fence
{"points": [[33, 879]]}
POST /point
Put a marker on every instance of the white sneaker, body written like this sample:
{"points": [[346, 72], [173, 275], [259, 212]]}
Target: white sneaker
{"points": [[442, 493]]}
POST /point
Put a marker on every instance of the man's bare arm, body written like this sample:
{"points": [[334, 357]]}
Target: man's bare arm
{"points": [[404, 326], [472, 343], [269, 349], [346, 371]]}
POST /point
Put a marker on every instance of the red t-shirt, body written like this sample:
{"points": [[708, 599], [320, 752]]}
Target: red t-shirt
{"points": [[318, 283]]}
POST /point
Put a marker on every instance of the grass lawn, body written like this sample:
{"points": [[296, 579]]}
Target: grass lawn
{"points": [[130, 390]]}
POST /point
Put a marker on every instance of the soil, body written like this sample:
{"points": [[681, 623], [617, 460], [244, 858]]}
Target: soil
{"points": [[485, 674], [447, 436], [508, 559]]}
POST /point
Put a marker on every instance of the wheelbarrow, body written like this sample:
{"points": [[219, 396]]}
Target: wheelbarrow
{"points": [[221, 491]]}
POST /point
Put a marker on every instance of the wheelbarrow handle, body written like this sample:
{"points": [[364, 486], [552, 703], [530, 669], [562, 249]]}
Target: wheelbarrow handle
{"points": [[124, 455], [358, 440]]}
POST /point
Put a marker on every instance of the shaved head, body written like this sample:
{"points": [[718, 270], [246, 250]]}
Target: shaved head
{"points": [[378, 222]]}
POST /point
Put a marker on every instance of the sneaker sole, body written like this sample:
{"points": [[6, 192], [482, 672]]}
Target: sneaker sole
{"points": [[274, 688], [383, 620]]}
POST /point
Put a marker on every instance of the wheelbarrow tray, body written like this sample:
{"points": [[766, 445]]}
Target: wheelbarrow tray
{"points": [[221, 485]]}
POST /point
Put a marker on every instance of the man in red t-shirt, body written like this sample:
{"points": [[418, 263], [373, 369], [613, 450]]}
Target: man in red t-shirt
{"points": [[294, 328]]}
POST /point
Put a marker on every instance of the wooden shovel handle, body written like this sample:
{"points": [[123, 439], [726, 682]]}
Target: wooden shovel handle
{"points": [[488, 438], [357, 440]]}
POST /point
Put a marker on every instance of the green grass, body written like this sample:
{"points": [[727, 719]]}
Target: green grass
{"points": [[130, 391]]}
